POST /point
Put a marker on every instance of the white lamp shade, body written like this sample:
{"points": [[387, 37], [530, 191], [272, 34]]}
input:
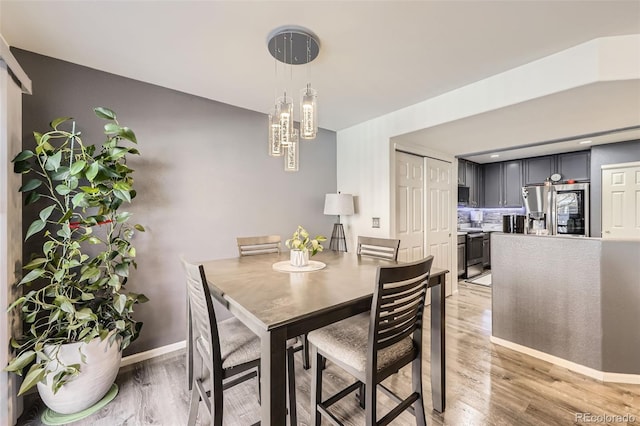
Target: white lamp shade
{"points": [[338, 204]]}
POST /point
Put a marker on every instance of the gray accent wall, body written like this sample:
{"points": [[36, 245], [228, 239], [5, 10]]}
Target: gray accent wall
{"points": [[623, 152], [204, 177]]}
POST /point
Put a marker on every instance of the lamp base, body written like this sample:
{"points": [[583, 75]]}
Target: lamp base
{"points": [[338, 241]]}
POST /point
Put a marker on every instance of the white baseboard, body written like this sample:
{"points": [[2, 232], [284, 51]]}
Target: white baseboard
{"points": [[142, 356], [603, 376]]}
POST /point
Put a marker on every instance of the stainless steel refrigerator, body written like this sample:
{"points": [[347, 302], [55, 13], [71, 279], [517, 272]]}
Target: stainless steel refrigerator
{"points": [[557, 209]]}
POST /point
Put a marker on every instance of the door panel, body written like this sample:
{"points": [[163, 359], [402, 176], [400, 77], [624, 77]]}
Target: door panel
{"points": [[410, 206], [621, 201], [439, 230]]}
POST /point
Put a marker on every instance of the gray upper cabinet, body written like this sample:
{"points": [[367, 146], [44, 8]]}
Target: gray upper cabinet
{"points": [[575, 165], [572, 165], [503, 184], [537, 169], [461, 172], [492, 185], [512, 175], [469, 174]]}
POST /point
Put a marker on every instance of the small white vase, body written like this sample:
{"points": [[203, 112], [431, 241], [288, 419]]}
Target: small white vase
{"points": [[299, 258], [96, 375]]}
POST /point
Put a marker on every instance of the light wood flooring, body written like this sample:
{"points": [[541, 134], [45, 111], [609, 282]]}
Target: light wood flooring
{"points": [[486, 385]]}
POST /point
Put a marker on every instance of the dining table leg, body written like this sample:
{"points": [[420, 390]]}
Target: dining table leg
{"points": [[273, 377], [438, 346]]}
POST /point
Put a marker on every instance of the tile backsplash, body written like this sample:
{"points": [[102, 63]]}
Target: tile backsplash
{"points": [[489, 216]]}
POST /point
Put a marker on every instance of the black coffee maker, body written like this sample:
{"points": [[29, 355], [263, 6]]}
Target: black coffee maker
{"points": [[513, 223]]}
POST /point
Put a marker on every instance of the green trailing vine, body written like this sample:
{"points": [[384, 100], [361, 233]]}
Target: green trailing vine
{"points": [[74, 288]]}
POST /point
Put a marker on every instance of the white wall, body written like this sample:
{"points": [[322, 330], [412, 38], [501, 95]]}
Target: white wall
{"points": [[10, 221], [365, 152]]}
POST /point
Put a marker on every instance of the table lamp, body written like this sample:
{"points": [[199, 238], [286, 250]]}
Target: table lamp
{"points": [[338, 205]]}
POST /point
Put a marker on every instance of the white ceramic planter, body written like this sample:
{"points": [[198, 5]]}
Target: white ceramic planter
{"points": [[299, 258], [92, 383]]}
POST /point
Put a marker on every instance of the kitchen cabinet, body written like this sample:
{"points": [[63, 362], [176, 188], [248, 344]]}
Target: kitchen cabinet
{"points": [[462, 172], [470, 175], [575, 165], [538, 169], [502, 184], [486, 250], [462, 259], [571, 165]]}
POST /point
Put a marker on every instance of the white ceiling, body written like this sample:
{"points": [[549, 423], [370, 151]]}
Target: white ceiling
{"points": [[376, 56]]}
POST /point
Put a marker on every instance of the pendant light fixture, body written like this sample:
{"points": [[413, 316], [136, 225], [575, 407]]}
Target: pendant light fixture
{"points": [[293, 46]]}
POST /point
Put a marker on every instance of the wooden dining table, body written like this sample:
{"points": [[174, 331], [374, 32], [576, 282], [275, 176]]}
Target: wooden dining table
{"points": [[281, 305]]}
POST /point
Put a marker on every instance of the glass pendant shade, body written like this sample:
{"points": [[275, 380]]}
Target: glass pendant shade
{"points": [[308, 113], [291, 158], [284, 112], [275, 147]]}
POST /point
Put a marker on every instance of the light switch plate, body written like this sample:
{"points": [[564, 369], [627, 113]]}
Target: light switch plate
{"points": [[375, 222]]}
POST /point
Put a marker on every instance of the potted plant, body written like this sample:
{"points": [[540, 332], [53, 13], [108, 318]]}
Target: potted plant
{"points": [[300, 245], [74, 304]]}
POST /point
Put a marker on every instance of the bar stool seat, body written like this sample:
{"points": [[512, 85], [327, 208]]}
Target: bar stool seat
{"points": [[347, 343]]}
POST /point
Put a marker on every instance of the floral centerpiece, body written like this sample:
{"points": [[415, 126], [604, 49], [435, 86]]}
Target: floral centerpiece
{"points": [[300, 245]]}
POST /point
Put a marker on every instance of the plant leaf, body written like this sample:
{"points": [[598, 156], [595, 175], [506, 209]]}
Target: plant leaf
{"points": [[35, 263], [53, 162], [66, 216], [91, 172], [127, 133], [139, 227], [34, 228], [46, 212], [32, 275], [63, 189], [47, 247], [122, 269], [64, 231], [123, 195], [24, 155], [31, 198], [31, 185], [120, 302], [89, 189], [21, 167], [104, 113], [77, 167], [110, 128], [21, 361], [36, 374], [78, 200], [123, 217], [17, 302], [90, 272], [58, 121]]}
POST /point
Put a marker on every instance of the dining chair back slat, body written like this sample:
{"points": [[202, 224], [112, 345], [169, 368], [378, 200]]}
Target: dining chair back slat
{"points": [[382, 248], [248, 246], [392, 319]]}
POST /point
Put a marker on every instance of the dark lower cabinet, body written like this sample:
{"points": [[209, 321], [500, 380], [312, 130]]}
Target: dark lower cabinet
{"points": [[486, 251], [462, 259]]}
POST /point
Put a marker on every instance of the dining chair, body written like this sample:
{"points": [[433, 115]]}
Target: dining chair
{"points": [[248, 246], [221, 354], [382, 248], [375, 345]]}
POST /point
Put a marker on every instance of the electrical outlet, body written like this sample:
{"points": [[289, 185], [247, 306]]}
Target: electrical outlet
{"points": [[375, 222]]}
